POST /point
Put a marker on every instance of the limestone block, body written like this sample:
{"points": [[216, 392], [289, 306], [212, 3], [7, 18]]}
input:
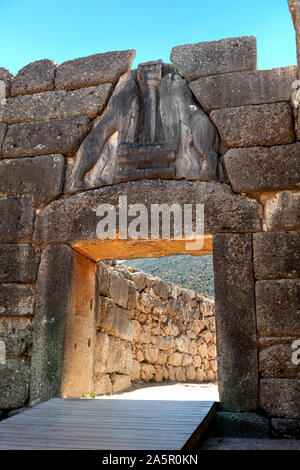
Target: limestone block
{"points": [[93, 70], [182, 343], [150, 353], [249, 126], [120, 383], [264, 168], [179, 374], [190, 373], [277, 307], [35, 77], [283, 211], [3, 130], [235, 321], [210, 375], [171, 372], [171, 329], [18, 263], [103, 279], [118, 289], [135, 371], [175, 359], [162, 358], [211, 58], [193, 348], [14, 385], [202, 349], [16, 299], [276, 362], [212, 351], [141, 333], [6, 77], [276, 255], [213, 365], [101, 353], [17, 215], [17, 344], [46, 137], [55, 104], [280, 397], [140, 280], [224, 210], [197, 361], [144, 302], [245, 88], [161, 289], [285, 428], [200, 375], [131, 303], [119, 356], [147, 372], [103, 385], [187, 360], [40, 176], [115, 321]]}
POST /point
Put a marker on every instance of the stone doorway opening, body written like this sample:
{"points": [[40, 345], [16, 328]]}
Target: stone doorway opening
{"points": [[131, 327]]}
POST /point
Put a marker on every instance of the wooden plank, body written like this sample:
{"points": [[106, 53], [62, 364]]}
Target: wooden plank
{"points": [[108, 424]]}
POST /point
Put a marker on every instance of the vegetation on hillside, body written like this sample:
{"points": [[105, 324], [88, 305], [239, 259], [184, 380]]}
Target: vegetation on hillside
{"points": [[191, 272]]}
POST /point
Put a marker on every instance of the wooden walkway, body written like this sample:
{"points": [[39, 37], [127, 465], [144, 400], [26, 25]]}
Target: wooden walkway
{"points": [[86, 424]]}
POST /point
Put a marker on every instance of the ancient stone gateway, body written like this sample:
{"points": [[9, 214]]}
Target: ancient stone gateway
{"points": [[209, 129]]}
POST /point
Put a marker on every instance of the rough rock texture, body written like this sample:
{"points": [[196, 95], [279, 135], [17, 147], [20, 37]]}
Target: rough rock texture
{"points": [[237, 424], [275, 361], [53, 297], [285, 428], [248, 126], [55, 104], [167, 334], [282, 211], [35, 77], [18, 263], [276, 255], [280, 397], [41, 176], [16, 300], [245, 88], [278, 307], [264, 169], [235, 321], [224, 211], [3, 130], [14, 385], [93, 70], [215, 57], [17, 216], [46, 137], [6, 77]]}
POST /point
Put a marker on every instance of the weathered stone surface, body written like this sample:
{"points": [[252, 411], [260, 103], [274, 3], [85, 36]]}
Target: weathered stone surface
{"points": [[17, 216], [120, 382], [6, 77], [103, 279], [276, 362], [40, 176], [101, 353], [54, 291], [18, 263], [46, 137], [35, 77], [18, 345], [93, 70], [248, 126], [3, 130], [235, 321], [276, 255], [245, 88], [14, 385], [211, 58], [280, 397], [119, 357], [55, 104], [245, 425], [278, 307], [115, 321], [282, 211], [103, 385], [285, 428], [224, 211], [16, 299], [118, 289], [264, 169], [140, 280]]}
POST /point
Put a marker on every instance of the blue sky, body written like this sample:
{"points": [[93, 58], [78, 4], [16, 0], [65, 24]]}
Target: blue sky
{"points": [[65, 29]]}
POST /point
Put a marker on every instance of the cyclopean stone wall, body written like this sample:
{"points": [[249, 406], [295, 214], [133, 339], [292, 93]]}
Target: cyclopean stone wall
{"points": [[47, 113], [150, 331]]}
